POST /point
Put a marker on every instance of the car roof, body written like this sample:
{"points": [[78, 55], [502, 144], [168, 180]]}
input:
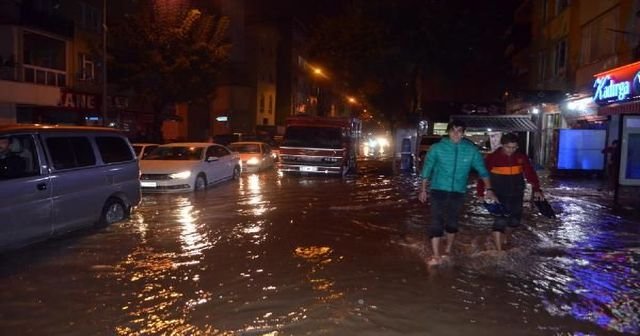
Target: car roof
{"points": [[247, 143], [54, 128], [189, 144]]}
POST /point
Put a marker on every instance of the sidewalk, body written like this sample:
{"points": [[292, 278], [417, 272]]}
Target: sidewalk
{"points": [[597, 187]]}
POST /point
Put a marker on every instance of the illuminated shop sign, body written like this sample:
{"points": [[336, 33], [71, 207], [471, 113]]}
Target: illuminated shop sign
{"points": [[617, 85]]}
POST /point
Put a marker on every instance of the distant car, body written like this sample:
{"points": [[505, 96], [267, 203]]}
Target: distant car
{"points": [[187, 167], [255, 155], [143, 149]]}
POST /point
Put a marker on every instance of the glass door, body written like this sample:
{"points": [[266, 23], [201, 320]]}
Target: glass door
{"points": [[630, 156]]}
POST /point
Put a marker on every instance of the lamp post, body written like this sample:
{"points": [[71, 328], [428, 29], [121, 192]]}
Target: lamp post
{"points": [[104, 63]]}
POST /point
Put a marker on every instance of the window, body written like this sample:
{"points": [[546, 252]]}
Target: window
{"points": [[113, 149], [47, 6], [43, 51], [90, 17], [44, 59], [561, 5], [598, 39], [262, 103], [18, 157], [217, 151], [86, 66], [542, 65], [270, 104], [70, 152], [560, 58], [545, 10]]}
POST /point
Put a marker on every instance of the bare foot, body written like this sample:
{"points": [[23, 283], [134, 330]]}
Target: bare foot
{"points": [[434, 261]]}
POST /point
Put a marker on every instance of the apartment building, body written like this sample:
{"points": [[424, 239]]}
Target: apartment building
{"points": [[571, 41], [51, 63]]}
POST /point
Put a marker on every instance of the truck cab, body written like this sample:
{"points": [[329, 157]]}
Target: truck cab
{"points": [[319, 145]]}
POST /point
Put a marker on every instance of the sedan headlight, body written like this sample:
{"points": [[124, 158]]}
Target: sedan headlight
{"points": [[253, 161], [180, 175]]}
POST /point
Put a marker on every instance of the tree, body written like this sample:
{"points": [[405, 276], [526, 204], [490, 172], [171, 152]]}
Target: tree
{"points": [[168, 54], [393, 46]]}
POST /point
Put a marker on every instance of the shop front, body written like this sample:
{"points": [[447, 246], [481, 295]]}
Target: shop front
{"points": [[617, 93], [72, 108]]}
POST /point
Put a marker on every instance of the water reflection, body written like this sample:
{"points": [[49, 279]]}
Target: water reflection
{"points": [[319, 257], [154, 275]]}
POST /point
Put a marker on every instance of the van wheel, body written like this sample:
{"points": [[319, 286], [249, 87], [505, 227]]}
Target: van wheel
{"points": [[236, 173], [200, 184], [113, 211]]}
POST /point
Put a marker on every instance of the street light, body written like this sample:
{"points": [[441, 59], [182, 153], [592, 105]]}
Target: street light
{"points": [[104, 62]]}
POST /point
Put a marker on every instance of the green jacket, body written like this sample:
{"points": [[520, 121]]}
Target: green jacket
{"points": [[448, 165]]}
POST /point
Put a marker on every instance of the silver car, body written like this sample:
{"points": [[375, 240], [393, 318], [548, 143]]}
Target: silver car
{"points": [[56, 179]]}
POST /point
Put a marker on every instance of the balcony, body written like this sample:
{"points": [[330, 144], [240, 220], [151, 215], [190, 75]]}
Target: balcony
{"points": [[33, 74], [47, 22]]}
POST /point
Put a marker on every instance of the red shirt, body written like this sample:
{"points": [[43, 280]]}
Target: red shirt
{"points": [[506, 173]]}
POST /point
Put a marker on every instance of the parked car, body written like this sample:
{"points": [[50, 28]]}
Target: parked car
{"points": [[255, 156], [55, 179], [143, 149], [187, 167]]}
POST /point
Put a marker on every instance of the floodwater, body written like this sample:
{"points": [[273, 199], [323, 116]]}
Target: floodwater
{"points": [[301, 255]]}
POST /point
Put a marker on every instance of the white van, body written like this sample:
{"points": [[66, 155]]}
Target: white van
{"points": [[56, 179]]}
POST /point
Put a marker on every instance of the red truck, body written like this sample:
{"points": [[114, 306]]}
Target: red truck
{"points": [[320, 145]]}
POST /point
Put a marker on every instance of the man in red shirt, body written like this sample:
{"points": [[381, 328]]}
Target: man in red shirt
{"points": [[508, 169]]}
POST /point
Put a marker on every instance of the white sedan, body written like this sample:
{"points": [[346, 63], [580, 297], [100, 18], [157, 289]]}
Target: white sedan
{"points": [[255, 155], [187, 166]]}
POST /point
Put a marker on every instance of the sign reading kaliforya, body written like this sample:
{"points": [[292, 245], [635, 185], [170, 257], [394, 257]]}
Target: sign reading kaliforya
{"points": [[617, 85]]}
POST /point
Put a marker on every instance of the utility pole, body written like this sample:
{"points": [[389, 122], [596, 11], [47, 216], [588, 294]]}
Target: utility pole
{"points": [[104, 63]]}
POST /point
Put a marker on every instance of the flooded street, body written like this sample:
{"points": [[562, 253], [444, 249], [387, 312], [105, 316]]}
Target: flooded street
{"points": [[298, 255]]}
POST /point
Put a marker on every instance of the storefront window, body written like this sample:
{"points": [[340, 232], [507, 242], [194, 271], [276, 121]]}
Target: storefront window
{"points": [[633, 157]]}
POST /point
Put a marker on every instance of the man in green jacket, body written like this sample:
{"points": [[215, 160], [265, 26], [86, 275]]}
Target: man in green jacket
{"points": [[445, 173]]}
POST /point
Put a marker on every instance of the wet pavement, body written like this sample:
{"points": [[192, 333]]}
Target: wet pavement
{"points": [[301, 255]]}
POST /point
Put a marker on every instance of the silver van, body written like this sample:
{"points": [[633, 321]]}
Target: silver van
{"points": [[56, 179]]}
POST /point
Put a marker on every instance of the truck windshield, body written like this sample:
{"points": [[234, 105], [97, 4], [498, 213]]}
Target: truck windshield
{"points": [[313, 137]]}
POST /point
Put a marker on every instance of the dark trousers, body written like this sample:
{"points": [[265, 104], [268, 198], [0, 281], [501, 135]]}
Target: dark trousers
{"points": [[513, 205], [445, 210]]}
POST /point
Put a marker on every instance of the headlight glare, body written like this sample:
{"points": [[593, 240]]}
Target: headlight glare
{"points": [[180, 175]]}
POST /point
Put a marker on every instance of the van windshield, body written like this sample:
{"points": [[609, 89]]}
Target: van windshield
{"points": [[175, 153], [313, 137]]}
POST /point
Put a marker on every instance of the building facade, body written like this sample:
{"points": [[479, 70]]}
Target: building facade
{"points": [[570, 43], [51, 65]]}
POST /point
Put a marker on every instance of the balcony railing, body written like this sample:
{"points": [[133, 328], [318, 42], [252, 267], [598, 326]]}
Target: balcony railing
{"points": [[33, 74]]}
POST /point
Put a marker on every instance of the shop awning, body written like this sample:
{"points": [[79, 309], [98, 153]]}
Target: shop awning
{"points": [[625, 108], [505, 123]]}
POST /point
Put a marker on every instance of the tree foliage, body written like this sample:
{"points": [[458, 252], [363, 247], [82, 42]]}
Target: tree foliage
{"points": [[387, 48], [169, 54]]}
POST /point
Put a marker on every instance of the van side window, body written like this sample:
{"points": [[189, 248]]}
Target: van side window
{"points": [[18, 157], [114, 149], [70, 152]]}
